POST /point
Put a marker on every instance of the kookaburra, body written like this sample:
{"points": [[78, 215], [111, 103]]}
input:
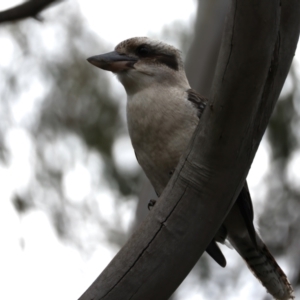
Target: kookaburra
{"points": [[162, 114]]}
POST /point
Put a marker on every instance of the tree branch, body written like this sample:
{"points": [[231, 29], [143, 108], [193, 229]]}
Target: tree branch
{"points": [[27, 9], [258, 45], [201, 60]]}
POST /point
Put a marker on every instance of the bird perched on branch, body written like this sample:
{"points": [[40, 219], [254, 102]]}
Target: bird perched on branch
{"points": [[162, 113]]}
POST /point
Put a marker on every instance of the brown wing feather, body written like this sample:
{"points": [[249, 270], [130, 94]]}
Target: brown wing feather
{"points": [[199, 101]]}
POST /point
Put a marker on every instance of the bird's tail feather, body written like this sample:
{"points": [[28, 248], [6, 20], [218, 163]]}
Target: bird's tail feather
{"points": [[263, 265]]}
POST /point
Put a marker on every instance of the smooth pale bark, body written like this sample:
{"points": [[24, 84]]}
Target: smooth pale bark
{"points": [[258, 45], [201, 60]]}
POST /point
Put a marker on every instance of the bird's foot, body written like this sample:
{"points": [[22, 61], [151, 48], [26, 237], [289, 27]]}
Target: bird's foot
{"points": [[171, 172], [151, 204]]}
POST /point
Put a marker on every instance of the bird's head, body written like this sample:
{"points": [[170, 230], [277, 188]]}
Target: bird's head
{"points": [[141, 62]]}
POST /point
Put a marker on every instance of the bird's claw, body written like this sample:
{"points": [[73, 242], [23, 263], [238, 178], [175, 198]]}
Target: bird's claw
{"points": [[151, 204]]}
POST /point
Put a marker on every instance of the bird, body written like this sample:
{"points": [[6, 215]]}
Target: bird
{"points": [[162, 114]]}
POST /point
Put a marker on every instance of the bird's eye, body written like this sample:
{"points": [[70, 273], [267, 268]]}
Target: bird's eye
{"points": [[143, 50]]}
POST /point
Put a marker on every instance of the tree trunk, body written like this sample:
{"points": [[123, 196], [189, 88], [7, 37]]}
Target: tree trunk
{"points": [[203, 54]]}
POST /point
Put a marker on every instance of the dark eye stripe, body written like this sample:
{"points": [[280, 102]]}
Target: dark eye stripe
{"points": [[169, 60], [146, 51]]}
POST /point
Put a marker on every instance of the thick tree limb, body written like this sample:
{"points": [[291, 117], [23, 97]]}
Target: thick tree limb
{"points": [[27, 9], [201, 60], [257, 49]]}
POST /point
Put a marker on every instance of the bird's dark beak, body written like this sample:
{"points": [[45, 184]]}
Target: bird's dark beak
{"points": [[112, 61]]}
